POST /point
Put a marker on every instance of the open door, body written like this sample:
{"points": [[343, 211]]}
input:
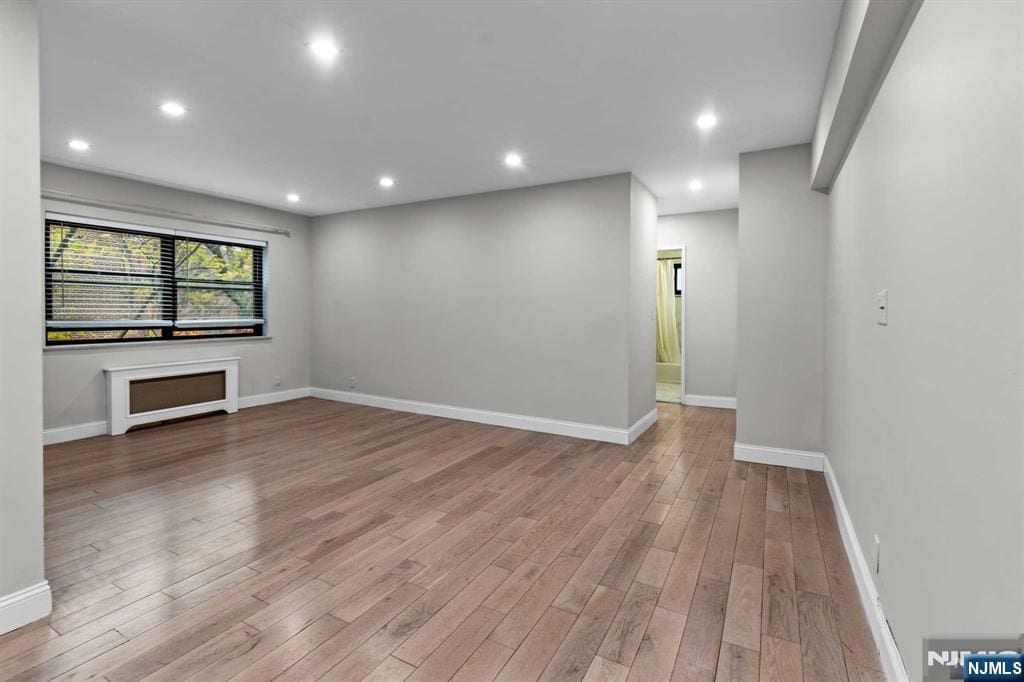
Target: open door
{"points": [[670, 328]]}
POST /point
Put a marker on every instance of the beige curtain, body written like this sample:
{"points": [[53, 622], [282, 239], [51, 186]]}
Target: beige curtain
{"points": [[667, 329]]}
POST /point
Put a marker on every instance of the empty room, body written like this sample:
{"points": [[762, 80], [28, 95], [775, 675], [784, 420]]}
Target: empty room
{"points": [[602, 340]]}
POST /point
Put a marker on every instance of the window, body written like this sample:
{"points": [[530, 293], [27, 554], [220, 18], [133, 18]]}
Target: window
{"points": [[109, 283]]}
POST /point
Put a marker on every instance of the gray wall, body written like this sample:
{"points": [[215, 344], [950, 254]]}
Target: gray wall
{"points": [[21, 304], [925, 416], [515, 301], [781, 302], [711, 241], [643, 268], [74, 387]]}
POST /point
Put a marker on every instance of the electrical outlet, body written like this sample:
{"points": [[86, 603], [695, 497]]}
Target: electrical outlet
{"points": [[352, 382], [882, 302], [277, 381]]}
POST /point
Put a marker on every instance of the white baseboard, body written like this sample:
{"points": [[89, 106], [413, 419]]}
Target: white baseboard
{"points": [[723, 401], [275, 397], [25, 606], [892, 662], [797, 459], [514, 421], [62, 434], [645, 422]]}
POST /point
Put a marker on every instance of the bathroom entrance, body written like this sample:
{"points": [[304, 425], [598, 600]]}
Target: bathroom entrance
{"points": [[671, 367]]}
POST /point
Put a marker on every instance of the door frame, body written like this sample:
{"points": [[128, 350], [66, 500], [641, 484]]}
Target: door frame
{"points": [[681, 248]]}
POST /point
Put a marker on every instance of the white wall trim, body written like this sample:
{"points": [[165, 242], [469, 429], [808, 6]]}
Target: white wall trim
{"points": [[562, 428], [892, 662], [63, 434], [274, 397], [25, 606], [796, 459], [645, 422], [514, 421], [723, 401]]}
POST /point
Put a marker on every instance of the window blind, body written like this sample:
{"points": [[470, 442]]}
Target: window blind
{"points": [[107, 284]]}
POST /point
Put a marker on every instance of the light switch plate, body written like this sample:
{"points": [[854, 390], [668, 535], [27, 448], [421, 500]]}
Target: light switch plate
{"points": [[882, 303]]}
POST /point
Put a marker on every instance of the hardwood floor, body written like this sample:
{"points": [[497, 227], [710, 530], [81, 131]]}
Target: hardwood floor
{"points": [[313, 539]]}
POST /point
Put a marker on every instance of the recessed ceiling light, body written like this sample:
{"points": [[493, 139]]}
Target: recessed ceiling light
{"points": [[513, 160], [79, 145], [696, 185], [324, 49], [174, 109], [707, 121], [293, 197], [387, 181]]}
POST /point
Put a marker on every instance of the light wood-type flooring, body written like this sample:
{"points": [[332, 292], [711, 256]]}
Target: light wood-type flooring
{"points": [[313, 539]]}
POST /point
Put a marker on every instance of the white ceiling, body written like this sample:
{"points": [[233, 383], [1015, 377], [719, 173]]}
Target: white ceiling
{"points": [[433, 93]]}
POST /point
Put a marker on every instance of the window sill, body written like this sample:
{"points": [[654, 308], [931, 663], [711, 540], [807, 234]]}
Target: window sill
{"points": [[147, 344]]}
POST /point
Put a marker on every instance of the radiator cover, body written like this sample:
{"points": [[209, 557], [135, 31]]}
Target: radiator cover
{"points": [[144, 394]]}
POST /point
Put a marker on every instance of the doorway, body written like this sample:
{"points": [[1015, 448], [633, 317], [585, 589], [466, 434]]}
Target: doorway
{"points": [[670, 372]]}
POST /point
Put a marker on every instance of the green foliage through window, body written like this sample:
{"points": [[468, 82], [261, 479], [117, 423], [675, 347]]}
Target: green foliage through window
{"points": [[106, 284]]}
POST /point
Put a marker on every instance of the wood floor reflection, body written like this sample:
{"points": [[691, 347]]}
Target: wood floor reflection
{"points": [[313, 539]]}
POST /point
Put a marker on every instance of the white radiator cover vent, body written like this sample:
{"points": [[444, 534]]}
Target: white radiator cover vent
{"points": [[136, 395]]}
